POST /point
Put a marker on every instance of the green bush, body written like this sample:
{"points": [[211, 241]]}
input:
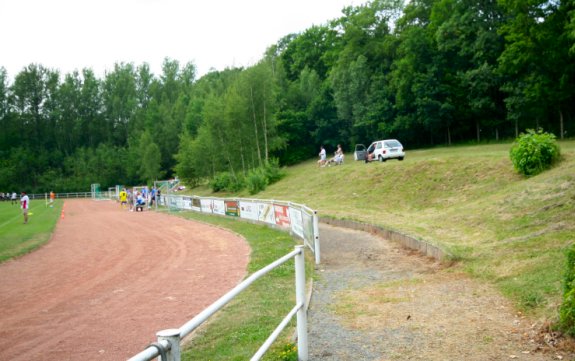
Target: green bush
{"points": [[259, 178], [256, 181], [273, 172], [220, 182], [226, 181], [567, 311], [533, 152]]}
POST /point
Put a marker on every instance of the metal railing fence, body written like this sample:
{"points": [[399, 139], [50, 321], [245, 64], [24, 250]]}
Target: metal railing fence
{"points": [[168, 345], [298, 219], [59, 195]]}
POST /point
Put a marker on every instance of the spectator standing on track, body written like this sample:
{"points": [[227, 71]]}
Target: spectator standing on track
{"points": [[152, 197], [123, 197], [130, 200], [25, 205]]}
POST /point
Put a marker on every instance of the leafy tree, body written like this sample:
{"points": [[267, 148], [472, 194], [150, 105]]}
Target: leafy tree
{"points": [[299, 115], [8, 135], [185, 166], [94, 129], [467, 37], [417, 84], [312, 50], [120, 101], [30, 91], [70, 126], [150, 158], [536, 64]]}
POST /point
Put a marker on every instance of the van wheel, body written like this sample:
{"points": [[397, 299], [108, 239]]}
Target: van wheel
{"points": [[382, 159], [400, 158]]}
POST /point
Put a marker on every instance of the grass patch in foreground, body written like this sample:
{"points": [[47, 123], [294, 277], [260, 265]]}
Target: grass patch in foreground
{"points": [[17, 238], [239, 329]]}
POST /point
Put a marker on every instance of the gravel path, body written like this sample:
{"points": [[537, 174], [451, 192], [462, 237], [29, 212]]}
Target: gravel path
{"points": [[375, 301]]}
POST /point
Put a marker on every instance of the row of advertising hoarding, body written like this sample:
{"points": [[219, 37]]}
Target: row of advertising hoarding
{"points": [[295, 218]]}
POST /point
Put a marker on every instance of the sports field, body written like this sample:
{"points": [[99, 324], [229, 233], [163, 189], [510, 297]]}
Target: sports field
{"points": [[108, 280], [15, 237]]}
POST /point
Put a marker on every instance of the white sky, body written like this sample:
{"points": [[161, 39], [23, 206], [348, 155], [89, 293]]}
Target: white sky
{"points": [[76, 34]]}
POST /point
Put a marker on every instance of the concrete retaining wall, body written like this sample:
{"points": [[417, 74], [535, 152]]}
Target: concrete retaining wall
{"points": [[406, 241]]}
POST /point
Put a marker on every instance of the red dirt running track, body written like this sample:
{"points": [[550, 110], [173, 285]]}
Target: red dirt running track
{"points": [[109, 279]]}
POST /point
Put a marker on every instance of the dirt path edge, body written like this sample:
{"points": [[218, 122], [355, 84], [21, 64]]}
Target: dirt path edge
{"points": [[421, 246]]}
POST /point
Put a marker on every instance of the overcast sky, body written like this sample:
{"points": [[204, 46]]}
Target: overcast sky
{"points": [[74, 34]]}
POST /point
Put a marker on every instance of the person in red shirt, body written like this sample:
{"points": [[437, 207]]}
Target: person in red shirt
{"points": [[25, 205]]}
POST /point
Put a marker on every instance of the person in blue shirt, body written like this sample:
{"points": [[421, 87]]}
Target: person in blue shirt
{"points": [[152, 197]]}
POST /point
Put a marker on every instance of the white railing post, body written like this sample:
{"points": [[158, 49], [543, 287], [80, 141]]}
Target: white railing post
{"points": [[316, 237], [173, 337], [302, 350]]}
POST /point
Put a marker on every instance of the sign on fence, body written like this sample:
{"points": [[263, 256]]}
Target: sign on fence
{"points": [[266, 213], [249, 210], [282, 215], [298, 219], [196, 204], [232, 208], [218, 207]]}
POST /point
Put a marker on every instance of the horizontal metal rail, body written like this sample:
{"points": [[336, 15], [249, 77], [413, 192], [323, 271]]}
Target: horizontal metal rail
{"points": [[205, 314], [151, 352], [61, 195], [169, 340], [263, 349]]}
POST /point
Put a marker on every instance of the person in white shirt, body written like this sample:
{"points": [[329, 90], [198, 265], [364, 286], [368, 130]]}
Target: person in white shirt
{"points": [[338, 156], [25, 205], [322, 160], [14, 198]]}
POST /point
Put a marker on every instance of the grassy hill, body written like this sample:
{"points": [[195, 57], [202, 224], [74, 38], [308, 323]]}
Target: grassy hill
{"points": [[468, 200]]}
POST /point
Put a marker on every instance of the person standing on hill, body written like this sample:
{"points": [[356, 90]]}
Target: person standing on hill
{"points": [[322, 157], [25, 205]]}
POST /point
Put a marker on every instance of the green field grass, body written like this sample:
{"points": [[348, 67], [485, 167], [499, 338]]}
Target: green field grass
{"points": [[468, 200], [17, 238]]}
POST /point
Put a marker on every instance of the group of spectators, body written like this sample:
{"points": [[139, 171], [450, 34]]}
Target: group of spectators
{"points": [[336, 160], [139, 199], [9, 196]]}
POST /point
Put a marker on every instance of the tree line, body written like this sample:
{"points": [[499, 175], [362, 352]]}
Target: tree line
{"points": [[430, 72]]}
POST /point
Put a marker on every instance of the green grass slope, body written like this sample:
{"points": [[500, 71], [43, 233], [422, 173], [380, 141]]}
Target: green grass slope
{"points": [[468, 200]]}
